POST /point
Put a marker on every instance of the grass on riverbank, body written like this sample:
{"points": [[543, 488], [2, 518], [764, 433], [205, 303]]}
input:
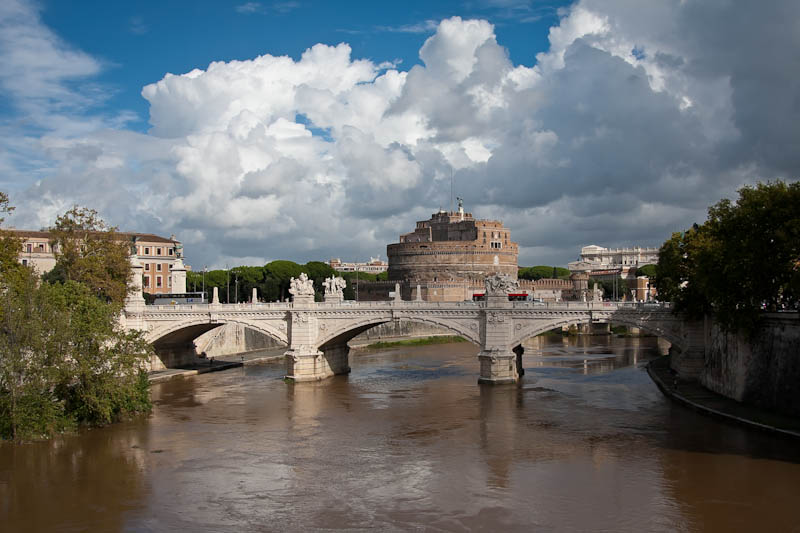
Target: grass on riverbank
{"points": [[421, 341]]}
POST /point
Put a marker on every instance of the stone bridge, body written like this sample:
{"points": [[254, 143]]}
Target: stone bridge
{"points": [[316, 333]]}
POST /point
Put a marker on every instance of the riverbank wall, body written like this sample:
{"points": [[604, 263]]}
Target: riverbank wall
{"points": [[762, 369]]}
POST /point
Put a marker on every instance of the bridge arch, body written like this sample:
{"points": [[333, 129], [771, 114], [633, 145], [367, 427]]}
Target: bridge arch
{"points": [[186, 331], [659, 329], [343, 334]]}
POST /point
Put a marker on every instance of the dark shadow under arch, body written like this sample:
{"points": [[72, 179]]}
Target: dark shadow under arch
{"points": [[176, 346], [343, 337], [646, 326]]}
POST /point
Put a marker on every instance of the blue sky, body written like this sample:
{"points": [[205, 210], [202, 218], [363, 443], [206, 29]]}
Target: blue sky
{"points": [[310, 130], [139, 42]]}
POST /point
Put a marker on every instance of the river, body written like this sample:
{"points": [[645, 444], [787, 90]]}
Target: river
{"points": [[409, 441]]}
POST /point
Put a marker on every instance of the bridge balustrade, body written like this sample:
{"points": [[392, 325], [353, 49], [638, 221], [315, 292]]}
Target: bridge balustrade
{"points": [[317, 332]]}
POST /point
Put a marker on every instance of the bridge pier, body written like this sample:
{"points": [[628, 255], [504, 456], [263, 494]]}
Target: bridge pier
{"points": [[316, 365], [498, 367], [499, 364]]}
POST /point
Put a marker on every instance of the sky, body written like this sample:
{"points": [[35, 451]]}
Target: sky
{"points": [[256, 131]]}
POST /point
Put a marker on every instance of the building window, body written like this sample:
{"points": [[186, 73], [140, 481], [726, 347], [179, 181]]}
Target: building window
{"points": [[171, 251], [29, 247], [41, 247], [147, 251], [146, 281], [158, 282], [169, 282], [158, 251], [147, 266], [24, 262]]}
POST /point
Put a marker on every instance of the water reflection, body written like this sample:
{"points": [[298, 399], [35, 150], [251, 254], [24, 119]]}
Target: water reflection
{"points": [[95, 478], [409, 441]]}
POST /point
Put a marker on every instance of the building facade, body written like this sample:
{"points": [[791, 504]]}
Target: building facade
{"points": [[374, 266], [159, 257], [599, 261]]}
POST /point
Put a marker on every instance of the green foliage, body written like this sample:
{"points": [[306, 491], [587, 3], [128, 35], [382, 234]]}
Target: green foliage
{"points": [[421, 341], [354, 278], [647, 270], [608, 287], [64, 359], [278, 275], [541, 271], [10, 246], [744, 258], [92, 253], [318, 271], [272, 280]]}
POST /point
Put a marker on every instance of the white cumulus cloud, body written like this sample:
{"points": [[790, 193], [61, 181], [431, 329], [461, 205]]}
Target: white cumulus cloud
{"points": [[623, 131]]}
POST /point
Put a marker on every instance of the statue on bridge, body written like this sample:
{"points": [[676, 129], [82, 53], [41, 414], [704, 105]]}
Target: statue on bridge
{"points": [[302, 286], [500, 285], [334, 287]]}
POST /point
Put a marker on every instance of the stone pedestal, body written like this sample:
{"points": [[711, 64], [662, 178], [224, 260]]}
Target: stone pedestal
{"points": [[178, 275], [498, 367], [133, 315], [307, 364]]}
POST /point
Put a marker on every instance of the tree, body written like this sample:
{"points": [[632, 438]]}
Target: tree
{"points": [[64, 358], [30, 359], [318, 271], [278, 274], [248, 277], [90, 252], [542, 271], [744, 258], [611, 286], [647, 270], [10, 246], [103, 376]]}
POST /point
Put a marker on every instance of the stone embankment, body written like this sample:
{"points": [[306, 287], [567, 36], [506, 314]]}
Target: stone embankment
{"points": [[695, 396], [762, 369]]}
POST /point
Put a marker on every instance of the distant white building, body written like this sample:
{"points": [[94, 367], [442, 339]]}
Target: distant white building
{"points": [[597, 260], [374, 266]]}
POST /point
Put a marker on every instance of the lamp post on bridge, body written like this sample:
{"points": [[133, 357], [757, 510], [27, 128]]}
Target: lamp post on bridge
{"points": [[205, 268]]}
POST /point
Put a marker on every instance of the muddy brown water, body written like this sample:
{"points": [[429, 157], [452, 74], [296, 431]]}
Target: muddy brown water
{"points": [[409, 441]]}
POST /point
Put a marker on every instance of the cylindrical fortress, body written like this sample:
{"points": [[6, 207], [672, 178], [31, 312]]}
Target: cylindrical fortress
{"points": [[453, 246]]}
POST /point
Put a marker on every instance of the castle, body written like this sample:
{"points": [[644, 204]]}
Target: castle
{"points": [[447, 258]]}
